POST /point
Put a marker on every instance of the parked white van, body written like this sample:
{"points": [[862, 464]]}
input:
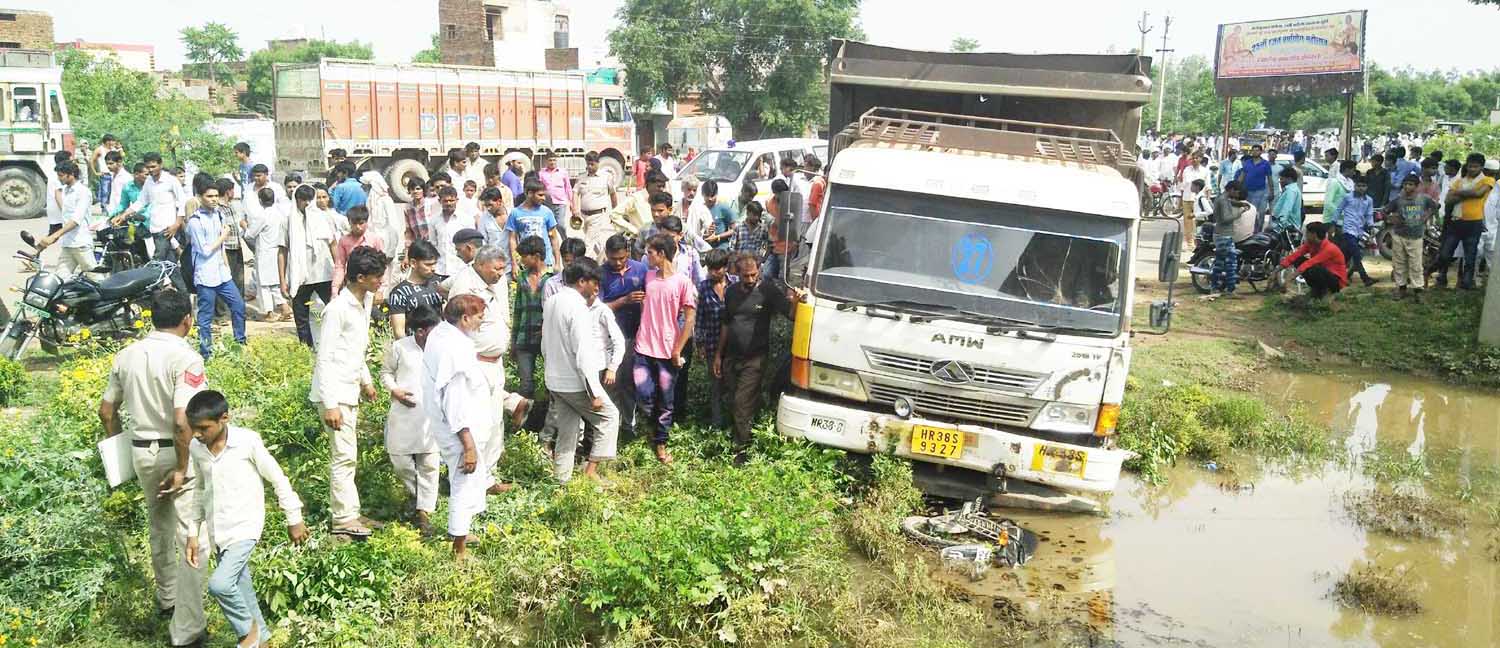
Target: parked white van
{"points": [[755, 161]]}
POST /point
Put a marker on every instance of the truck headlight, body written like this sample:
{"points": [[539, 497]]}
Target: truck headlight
{"points": [[845, 384], [1066, 417]]}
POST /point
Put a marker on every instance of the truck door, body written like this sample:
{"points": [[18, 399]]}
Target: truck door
{"points": [[26, 115]]}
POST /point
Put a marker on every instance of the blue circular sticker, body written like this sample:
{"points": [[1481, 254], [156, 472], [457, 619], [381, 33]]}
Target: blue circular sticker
{"points": [[973, 259]]}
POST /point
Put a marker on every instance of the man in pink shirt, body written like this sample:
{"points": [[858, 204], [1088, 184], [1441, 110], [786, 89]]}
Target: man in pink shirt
{"points": [[671, 299], [359, 236], [559, 190]]}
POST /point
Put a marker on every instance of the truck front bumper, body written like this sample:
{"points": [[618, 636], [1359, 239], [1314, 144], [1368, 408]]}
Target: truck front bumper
{"points": [[987, 450]]}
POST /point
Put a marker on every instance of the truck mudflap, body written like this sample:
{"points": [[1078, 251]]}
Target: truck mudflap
{"points": [[1060, 465]]}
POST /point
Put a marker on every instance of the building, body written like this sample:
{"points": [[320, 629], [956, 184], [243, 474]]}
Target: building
{"points": [[511, 34], [141, 58], [25, 29]]}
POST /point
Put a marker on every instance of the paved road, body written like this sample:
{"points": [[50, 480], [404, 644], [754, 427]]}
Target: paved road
{"points": [[11, 276]]}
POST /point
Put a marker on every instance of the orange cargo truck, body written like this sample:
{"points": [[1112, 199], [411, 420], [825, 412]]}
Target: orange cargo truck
{"points": [[400, 119]]}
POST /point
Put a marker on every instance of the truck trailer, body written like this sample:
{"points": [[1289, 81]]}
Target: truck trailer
{"points": [[970, 279], [401, 119], [34, 125]]}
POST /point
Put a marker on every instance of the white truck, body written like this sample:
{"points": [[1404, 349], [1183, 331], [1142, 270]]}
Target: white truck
{"points": [[970, 281], [33, 126]]}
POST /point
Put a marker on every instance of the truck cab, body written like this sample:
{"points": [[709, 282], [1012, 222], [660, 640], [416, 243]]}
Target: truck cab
{"points": [[34, 125], [970, 286]]}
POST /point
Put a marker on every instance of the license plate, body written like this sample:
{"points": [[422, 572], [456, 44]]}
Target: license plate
{"points": [[829, 425], [947, 443], [1059, 460]]}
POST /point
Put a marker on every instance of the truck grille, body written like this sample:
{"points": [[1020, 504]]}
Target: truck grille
{"points": [[1023, 382], [940, 404]]}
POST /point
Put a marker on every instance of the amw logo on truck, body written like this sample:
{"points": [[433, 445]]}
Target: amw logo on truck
{"points": [[959, 340]]}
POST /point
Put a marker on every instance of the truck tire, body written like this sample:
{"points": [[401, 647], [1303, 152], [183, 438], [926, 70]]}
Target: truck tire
{"points": [[612, 169], [399, 172], [22, 193]]}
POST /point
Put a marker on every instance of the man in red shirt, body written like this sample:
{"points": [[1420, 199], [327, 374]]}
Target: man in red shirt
{"points": [[1320, 262]]}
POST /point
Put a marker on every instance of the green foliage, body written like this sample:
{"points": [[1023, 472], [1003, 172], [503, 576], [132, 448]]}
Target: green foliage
{"points": [[698, 538], [873, 527], [104, 97], [260, 68], [211, 46], [13, 381], [59, 543], [760, 64], [432, 54], [1478, 138], [1436, 338], [1193, 415], [964, 44], [1192, 106]]}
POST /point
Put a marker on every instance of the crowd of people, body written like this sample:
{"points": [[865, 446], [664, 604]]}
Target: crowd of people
{"points": [[600, 296], [1439, 212]]}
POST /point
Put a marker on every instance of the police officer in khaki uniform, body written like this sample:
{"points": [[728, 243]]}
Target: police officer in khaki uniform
{"points": [[152, 380], [595, 196]]}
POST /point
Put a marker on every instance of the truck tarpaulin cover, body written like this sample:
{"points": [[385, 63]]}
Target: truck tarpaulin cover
{"points": [[1308, 55]]}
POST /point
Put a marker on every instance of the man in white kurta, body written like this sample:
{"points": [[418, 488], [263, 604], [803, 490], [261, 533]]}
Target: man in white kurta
{"points": [[486, 279], [457, 393]]}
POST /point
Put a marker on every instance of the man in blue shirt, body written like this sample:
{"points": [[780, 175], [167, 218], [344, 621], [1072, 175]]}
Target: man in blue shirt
{"points": [[1286, 214], [1255, 174], [211, 278], [1402, 168], [623, 290], [533, 218], [1356, 212], [512, 178], [723, 216], [347, 192], [242, 153]]}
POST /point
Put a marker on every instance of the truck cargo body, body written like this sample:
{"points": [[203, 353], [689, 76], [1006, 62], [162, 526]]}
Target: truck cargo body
{"points": [[971, 273], [384, 113]]}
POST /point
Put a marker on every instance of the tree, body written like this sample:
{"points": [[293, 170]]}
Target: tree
{"points": [[430, 55], [211, 46], [261, 67], [760, 63], [104, 97], [964, 44]]}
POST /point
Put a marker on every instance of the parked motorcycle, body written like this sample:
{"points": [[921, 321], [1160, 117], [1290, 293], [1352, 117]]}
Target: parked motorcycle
{"points": [[1260, 255], [57, 311]]}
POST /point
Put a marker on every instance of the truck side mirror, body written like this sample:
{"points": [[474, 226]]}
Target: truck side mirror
{"points": [[1171, 252]]}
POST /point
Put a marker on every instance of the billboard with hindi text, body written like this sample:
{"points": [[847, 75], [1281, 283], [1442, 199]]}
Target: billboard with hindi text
{"points": [[1316, 55]]}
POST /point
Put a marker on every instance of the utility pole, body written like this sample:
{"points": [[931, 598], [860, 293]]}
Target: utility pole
{"points": [[1161, 92], [1144, 29]]}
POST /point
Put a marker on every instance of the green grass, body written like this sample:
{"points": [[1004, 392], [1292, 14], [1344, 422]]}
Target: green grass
{"points": [[1437, 337], [1193, 399]]}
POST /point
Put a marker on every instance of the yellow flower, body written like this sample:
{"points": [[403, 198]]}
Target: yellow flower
{"points": [[3, 639], [85, 333], [146, 313], [35, 641], [140, 324]]}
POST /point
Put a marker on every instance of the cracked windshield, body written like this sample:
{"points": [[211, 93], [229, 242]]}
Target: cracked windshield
{"points": [[719, 324]]}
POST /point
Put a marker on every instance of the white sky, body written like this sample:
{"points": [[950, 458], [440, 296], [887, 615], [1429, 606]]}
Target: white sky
{"points": [[1423, 35]]}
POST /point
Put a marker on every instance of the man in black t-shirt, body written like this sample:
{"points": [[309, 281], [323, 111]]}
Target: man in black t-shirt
{"points": [[419, 288], [745, 339]]}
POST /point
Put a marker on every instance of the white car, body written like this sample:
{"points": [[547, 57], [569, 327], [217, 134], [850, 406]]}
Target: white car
{"points": [[755, 161], [1314, 182]]}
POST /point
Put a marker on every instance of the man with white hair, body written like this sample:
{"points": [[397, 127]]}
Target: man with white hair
{"points": [[486, 279]]}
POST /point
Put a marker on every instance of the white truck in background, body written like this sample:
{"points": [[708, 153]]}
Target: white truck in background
{"points": [[970, 284], [34, 125]]}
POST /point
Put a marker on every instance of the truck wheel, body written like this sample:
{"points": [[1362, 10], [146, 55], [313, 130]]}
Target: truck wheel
{"points": [[399, 172], [22, 193], [612, 169]]}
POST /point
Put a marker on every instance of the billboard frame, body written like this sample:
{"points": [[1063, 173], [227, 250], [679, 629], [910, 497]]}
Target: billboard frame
{"points": [[1312, 83]]}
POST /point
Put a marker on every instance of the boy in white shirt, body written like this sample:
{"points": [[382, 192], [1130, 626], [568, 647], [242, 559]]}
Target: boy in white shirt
{"points": [[408, 434], [77, 231], [230, 509]]}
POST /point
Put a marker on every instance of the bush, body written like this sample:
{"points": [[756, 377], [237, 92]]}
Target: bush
{"points": [[12, 381], [703, 536]]}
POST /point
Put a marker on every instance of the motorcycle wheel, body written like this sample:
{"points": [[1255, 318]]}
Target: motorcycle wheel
{"points": [[1202, 281], [1384, 241], [15, 339]]}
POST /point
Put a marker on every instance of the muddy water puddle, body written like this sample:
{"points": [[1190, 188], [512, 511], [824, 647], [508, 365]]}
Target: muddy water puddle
{"points": [[1246, 556]]}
